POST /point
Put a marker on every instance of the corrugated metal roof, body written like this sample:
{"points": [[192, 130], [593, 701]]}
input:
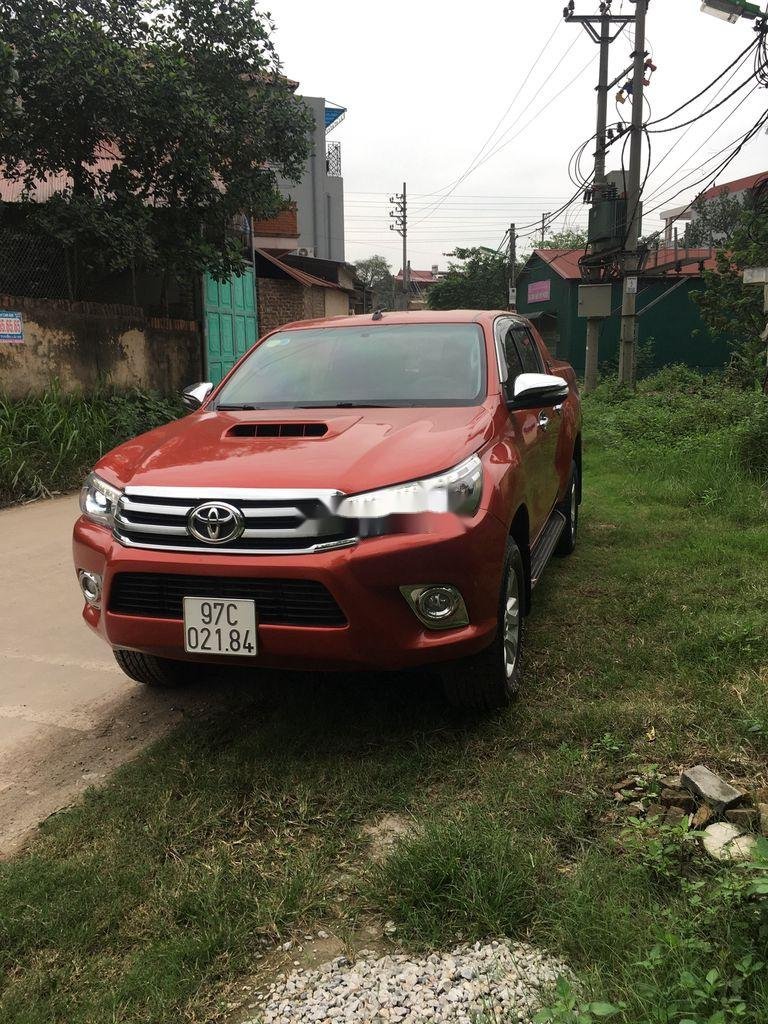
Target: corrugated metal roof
{"points": [[565, 262], [308, 280]]}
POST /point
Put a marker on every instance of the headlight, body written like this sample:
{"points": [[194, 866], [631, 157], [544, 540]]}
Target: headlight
{"points": [[457, 490], [98, 500]]}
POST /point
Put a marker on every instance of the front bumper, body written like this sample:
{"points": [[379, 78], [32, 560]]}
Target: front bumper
{"points": [[382, 631]]}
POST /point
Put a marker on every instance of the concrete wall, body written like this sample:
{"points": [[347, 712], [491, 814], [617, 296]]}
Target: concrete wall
{"points": [[85, 343], [336, 302], [282, 301], [319, 197]]}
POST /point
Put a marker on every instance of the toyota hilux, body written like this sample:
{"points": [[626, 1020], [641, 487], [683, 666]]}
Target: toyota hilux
{"points": [[369, 492]]}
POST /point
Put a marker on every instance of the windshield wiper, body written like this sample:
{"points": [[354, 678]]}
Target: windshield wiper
{"points": [[347, 405], [235, 408]]}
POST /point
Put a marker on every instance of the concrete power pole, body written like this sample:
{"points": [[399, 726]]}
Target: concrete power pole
{"points": [[628, 344], [399, 214], [604, 37], [512, 268], [591, 356]]}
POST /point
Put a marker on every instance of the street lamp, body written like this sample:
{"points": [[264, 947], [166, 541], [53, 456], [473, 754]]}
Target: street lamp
{"points": [[731, 10]]}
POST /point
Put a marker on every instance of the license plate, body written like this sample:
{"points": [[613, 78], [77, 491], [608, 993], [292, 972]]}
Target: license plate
{"points": [[215, 626]]}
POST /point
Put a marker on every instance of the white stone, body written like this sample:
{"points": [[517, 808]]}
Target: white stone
{"points": [[724, 841]]}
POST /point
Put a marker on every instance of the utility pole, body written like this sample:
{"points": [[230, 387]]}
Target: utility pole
{"points": [[592, 354], [399, 214], [544, 226], [512, 268], [628, 343], [599, 27]]}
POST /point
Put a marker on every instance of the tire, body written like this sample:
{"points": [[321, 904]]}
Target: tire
{"points": [[158, 672], [490, 679], [570, 509]]}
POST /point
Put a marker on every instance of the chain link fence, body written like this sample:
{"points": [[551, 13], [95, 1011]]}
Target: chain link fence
{"points": [[33, 266]]}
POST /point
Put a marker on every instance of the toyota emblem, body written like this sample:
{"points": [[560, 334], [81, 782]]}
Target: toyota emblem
{"points": [[215, 522]]}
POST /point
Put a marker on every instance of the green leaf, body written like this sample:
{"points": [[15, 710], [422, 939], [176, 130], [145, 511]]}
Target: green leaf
{"points": [[603, 1009]]}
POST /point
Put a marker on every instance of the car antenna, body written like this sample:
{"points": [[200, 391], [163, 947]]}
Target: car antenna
{"points": [[378, 314]]}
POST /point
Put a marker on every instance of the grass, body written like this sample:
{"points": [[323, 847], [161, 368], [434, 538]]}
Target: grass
{"points": [[649, 646], [48, 442]]}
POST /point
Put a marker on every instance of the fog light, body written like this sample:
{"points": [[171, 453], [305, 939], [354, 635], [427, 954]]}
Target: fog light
{"points": [[437, 602], [437, 605], [90, 584]]}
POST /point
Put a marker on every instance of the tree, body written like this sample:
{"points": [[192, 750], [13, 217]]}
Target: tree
{"points": [[478, 281], [732, 309], [169, 119], [565, 240], [376, 275], [716, 220]]}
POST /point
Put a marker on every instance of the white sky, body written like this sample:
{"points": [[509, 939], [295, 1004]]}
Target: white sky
{"points": [[426, 83]]}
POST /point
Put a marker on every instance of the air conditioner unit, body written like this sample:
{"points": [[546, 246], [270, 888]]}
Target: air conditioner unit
{"points": [[306, 250]]}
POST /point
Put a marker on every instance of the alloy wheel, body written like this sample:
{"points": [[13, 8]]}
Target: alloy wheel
{"points": [[511, 628]]}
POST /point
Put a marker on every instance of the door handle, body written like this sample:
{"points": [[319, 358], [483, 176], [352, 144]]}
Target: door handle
{"points": [[543, 421]]}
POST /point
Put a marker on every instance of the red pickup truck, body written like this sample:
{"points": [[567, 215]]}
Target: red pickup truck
{"points": [[363, 492]]}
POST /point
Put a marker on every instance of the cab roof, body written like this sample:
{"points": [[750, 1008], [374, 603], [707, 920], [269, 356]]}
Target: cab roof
{"points": [[421, 316]]}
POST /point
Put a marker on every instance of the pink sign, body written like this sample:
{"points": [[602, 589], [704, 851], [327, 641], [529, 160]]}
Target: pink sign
{"points": [[538, 291]]}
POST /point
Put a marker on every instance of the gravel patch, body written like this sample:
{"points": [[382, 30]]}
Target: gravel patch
{"points": [[494, 982]]}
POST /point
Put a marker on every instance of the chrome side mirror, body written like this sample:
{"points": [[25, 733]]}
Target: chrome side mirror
{"points": [[193, 396], [534, 390]]}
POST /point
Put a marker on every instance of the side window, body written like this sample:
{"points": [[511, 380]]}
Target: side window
{"points": [[512, 359], [527, 350]]}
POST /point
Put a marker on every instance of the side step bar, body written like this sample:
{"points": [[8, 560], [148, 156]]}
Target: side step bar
{"points": [[545, 546]]}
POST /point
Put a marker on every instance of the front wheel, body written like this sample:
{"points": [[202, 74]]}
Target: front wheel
{"points": [[570, 509], [159, 672], [491, 678]]}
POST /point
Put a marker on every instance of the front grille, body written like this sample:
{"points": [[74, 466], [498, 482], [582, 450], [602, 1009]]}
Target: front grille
{"points": [[283, 522], [278, 602]]}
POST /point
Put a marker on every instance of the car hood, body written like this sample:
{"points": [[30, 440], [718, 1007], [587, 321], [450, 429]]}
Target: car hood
{"points": [[360, 450]]}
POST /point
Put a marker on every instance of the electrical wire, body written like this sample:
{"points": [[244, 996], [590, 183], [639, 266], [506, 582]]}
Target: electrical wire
{"points": [[660, 188], [744, 53], [457, 181], [747, 137], [709, 110], [503, 144]]}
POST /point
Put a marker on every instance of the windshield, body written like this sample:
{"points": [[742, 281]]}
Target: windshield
{"points": [[368, 365]]}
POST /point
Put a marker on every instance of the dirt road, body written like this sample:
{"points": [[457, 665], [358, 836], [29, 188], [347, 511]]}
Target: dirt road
{"points": [[68, 716]]}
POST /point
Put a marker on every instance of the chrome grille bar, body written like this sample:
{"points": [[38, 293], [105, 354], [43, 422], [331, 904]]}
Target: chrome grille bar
{"points": [[271, 521]]}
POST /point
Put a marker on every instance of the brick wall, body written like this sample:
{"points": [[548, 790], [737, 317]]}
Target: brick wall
{"points": [[284, 225], [85, 343], [281, 301]]}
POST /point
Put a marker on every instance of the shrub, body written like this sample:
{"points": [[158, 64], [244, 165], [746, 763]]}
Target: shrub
{"points": [[752, 443], [49, 442]]}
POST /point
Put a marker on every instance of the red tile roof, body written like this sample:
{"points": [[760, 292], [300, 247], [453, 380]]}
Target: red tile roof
{"points": [[729, 187], [419, 277], [565, 262]]}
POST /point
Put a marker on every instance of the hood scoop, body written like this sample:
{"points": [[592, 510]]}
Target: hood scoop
{"points": [[293, 429]]}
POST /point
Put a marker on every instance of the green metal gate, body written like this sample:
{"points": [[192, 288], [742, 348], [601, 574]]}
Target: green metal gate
{"points": [[230, 319]]}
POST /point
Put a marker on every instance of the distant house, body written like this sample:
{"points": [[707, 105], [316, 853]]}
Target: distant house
{"points": [[420, 283], [230, 314], [318, 198], [739, 189], [548, 290]]}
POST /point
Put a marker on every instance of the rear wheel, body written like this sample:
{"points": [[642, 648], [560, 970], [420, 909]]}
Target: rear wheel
{"points": [[491, 678], [570, 509], [160, 672]]}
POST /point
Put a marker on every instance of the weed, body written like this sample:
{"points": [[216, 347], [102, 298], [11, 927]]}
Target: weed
{"points": [[609, 744], [48, 442], [568, 1008]]}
